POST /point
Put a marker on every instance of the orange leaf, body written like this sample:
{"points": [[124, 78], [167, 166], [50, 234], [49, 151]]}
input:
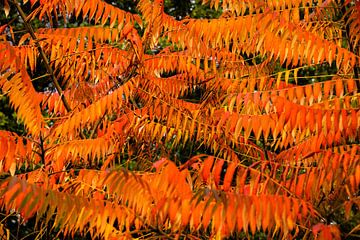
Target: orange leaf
{"points": [[317, 91], [351, 85], [218, 170], [207, 165], [230, 213], [354, 120], [327, 88], [217, 220], [311, 120], [229, 176], [255, 183], [256, 126], [339, 88], [207, 213], [319, 118], [309, 93], [310, 185], [196, 215], [266, 212], [242, 179], [185, 211], [300, 184], [252, 217]]}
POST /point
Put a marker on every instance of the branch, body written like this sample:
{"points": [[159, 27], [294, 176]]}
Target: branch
{"points": [[30, 29], [42, 55]]}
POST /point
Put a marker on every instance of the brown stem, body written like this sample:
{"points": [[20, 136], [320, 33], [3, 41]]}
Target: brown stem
{"points": [[42, 153], [30, 29], [42, 55]]}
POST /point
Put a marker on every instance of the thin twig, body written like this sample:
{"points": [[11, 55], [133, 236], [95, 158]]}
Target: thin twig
{"points": [[97, 124]]}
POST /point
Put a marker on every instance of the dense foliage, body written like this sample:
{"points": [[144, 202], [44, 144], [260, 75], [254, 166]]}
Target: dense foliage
{"points": [[240, 121]]}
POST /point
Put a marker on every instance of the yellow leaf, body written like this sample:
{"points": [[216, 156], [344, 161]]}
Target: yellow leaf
{"points": [[12, 168], [278, 80], [6, 8], [287, 74]]}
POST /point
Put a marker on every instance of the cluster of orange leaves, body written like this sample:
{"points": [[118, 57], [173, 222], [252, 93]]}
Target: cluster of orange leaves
{"points": [[280, 157]]}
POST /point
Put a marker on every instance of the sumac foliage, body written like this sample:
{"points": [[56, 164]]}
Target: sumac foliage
{"points": [[142, 125]]}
